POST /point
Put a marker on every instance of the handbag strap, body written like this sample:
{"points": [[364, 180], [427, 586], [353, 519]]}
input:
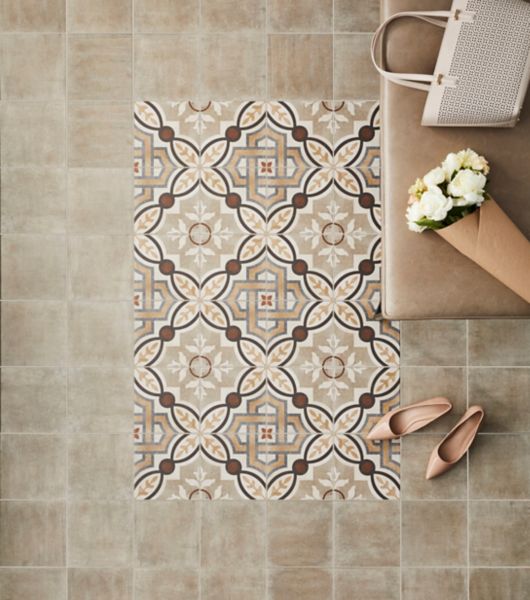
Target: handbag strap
{"points": [[414, 80]]}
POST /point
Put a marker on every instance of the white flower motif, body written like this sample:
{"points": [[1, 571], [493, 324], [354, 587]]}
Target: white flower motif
{"points": [[434, 177]]}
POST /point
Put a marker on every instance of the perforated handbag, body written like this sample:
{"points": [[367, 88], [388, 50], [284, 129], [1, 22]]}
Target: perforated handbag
{"points": [[483, 68]]}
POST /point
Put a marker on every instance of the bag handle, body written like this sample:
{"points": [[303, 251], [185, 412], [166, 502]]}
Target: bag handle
{"points": [[414, 80]]}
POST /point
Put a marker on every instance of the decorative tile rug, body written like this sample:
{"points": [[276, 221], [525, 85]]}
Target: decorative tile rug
{"points": [[261, 359]]}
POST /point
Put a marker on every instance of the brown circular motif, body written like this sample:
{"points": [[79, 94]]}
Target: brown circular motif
{"points": [[366, 400], [366, 267], [366, 334], [366, 200], [233, 400], [300, 133], [300, 400], [200, 366], [233, 267], [333, 367], [167, 466], [300, 267], [366, 133], [233, 466], [167, 333], [166, 200], [166, 267], [199, 234], [367, 467], [233, 333], [300, 466], [333, 234], [166, 134], [233, 200], [299, 200], [300, 333], [167, 399], [233, 133]]}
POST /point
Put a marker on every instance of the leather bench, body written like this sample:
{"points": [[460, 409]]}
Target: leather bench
{"points": [[423, 276]]}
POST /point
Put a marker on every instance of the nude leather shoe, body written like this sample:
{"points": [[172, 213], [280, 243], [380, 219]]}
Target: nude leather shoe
{"points": [[407, 419], [456, 443]]}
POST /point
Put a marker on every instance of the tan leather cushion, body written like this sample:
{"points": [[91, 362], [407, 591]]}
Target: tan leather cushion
{"points": [[424, 277]]}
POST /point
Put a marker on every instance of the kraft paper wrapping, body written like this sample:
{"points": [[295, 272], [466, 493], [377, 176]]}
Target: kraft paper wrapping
{"points": [[490, 239]]}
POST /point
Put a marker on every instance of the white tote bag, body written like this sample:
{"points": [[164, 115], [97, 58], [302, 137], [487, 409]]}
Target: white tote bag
{"points": [[483, 68]]}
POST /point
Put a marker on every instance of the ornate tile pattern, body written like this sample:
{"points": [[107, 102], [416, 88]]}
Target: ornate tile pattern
{"points": [[261, 362]]}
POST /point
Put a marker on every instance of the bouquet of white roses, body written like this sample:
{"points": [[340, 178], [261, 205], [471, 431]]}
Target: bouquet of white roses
{"points": [[452, 200], [449, 192]]}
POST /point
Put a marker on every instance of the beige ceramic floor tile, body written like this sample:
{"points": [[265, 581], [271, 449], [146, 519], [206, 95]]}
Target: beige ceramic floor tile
{"points": [[491, 584], [33, 400], [300, 66], [99, 201], [232, 532], [233, 66], [355, 76], [99, 16], [166, 67], [33, 134], [166, 16], [299, 533], [99, 67], [33, 67], [250, 584], [158, 525], [436, 584], [99, 534], [100, 267], [499, 467], [33, 267], [433, 343], [32, 467], [160, 584], [99, 135], [45, 584], [233, 15], [494, 390], [25, 342], [96, 584], [500, 342], [359, 584], [32, 15], [20, 213], [32, 533], [367, 534], [434, 533], [100, 467], [499, 534], [310, 584], [352, 16], [301, 16], [100, 400], [100, 334]]}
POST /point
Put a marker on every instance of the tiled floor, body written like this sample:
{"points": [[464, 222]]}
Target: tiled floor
{"points": [[69, 525]]}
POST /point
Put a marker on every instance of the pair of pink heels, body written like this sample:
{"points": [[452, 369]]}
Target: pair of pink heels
{"points": [[451, 449]]}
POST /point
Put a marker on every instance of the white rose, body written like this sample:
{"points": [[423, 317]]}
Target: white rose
{"points": [[465, 182], [414, 214], [434, 204], [472, 160], [452, 163], [434, 177]]}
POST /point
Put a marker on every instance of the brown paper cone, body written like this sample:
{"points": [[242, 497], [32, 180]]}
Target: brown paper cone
{"points": [[489, 238]]}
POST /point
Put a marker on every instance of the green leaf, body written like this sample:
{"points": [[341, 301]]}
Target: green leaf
{"points": [[429, 223]]}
